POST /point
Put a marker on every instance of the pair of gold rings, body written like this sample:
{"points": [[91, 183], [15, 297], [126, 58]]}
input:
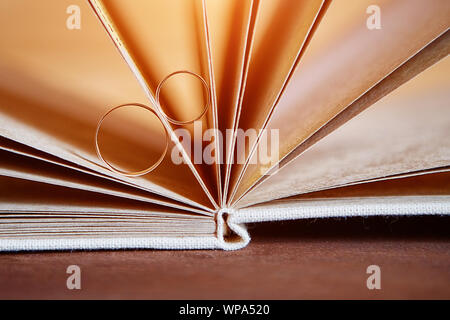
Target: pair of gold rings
{"points": [[161, 111]]}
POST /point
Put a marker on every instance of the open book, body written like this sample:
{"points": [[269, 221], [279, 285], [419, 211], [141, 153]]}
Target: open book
{"points": [[172, 124]]}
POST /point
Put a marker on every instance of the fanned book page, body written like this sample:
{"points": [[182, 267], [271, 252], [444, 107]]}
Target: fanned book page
{"points": [[171, 124]]}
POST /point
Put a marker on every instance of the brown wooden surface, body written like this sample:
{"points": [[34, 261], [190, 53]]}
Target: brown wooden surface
{"points": [[290, 260]]}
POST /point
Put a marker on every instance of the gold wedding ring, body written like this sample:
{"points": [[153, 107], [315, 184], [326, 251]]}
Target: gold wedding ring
{"points": [[109, 165], [158, 92]]}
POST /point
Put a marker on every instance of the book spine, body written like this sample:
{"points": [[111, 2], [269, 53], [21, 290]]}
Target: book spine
{"points": [[230, 234]]}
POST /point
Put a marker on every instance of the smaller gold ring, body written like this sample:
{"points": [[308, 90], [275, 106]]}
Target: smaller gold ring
{"points": [[126, 173], [158, 92]]}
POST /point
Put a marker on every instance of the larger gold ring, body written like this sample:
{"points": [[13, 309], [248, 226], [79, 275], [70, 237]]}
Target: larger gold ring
{"points": [[126, 173], [158, 92]]}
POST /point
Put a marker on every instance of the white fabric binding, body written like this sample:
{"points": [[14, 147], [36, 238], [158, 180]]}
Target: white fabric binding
{"points": [[217, 241], [167, 243], [235, 220], [328, 208], [243, 238]]}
